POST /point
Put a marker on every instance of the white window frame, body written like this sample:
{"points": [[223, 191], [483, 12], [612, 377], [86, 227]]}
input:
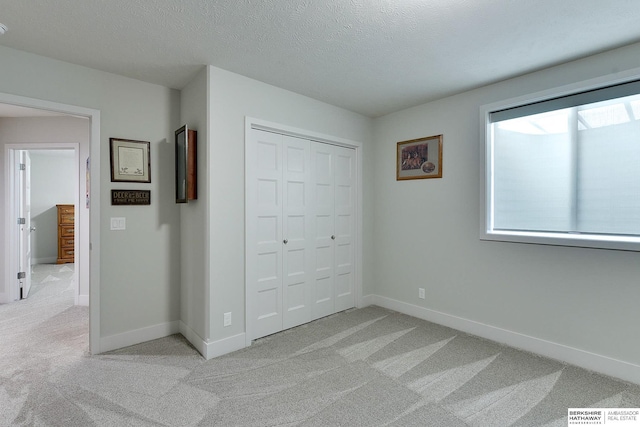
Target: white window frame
{"points": [[627, 243]]}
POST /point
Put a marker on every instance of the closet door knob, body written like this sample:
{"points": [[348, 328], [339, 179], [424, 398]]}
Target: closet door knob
{"points": [[333, 237], [285, 241]]}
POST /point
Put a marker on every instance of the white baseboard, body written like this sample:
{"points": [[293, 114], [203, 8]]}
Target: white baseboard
{"points": [[196, 340], [46, 260], [83, 300], [211, 349], [137, 336], [208, 350], [224, 346], [594, 362], [367, 300], [4, 298]]}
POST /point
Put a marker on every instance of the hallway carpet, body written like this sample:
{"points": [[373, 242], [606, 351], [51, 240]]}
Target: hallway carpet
{"points": [[365, 367]]}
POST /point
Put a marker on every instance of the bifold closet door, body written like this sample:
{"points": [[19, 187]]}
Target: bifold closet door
{"points": [[297, 230], [333, 178], [279, 253]]}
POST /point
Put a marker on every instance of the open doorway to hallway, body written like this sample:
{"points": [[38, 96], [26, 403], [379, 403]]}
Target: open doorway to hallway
{"points": [[54, 186], [57, 145]]}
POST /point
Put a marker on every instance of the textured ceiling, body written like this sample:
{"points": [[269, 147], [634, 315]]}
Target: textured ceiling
{"points": [[369, 56]]}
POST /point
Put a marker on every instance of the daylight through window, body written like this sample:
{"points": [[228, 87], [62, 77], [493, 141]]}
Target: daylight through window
{"points": [[566, 170]]}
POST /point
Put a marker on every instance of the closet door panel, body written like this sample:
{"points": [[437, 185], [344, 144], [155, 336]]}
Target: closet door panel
{"points": [[297, 232], [322, 289], [344, 221], [264, 188]]}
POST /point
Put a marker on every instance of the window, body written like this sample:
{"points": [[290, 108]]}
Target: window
{"points": [[565, 170]]}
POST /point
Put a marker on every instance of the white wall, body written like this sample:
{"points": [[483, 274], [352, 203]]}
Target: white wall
{"points": [[140, 267], [232, 98], [427, 235], [53, 181], [426, 231], [194, 221]]}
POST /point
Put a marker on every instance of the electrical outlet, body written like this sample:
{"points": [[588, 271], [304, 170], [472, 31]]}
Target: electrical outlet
{"points": [[421, 293], [227, 319]]}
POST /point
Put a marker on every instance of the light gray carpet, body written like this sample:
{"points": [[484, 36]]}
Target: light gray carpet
{"points": [[366, 367]]}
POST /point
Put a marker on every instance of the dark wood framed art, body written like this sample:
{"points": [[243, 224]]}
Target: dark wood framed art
{"points": [[186, 182], [130, 160]]}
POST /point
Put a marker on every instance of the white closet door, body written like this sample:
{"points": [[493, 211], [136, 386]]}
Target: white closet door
{"points": [[323, 295], [344, 243], [264, 224], [333, 176], [300, 231], [297, 232]]}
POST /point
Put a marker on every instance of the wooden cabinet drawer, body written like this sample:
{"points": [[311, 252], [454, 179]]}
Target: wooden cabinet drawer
{"points": [[62, 209], [66, 242], [66, 218], [65, 232], [67, 253]]}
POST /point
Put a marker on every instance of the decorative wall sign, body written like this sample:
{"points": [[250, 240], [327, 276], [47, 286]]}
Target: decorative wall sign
{"points": [[130, 197], [130, 160], [419, 158]]}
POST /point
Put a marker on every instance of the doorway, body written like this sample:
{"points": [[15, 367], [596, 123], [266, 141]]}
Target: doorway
{"points": [[51, 173], [88, 197]]}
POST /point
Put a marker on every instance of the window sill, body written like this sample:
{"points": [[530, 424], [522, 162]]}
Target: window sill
{"points": [[594, 241]]}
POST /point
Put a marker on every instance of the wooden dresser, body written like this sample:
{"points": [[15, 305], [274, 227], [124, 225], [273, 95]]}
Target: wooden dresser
{"points": [[65, 233]]}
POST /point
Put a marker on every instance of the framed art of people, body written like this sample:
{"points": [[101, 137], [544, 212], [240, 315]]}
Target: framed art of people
{"points": [[419, 158]]}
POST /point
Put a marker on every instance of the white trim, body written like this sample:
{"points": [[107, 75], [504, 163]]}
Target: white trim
{"points": [[209, 350], [594, 362], [196, 340], [94, 215], [47, 260], [248, 230], [582, 86], [83, 300], [248, 296], [631, 243], [94, 244], [11, 260], [208, 283], [224, 346], [359, 255], [259, 124], [137, 336], [368, 300]]}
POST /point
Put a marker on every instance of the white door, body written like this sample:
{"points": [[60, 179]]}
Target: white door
{"points": [[280, 257], [344, 242], [264, 226], [300, 224], [297, 234], [333, 177], [23, 169], [323, 295]]}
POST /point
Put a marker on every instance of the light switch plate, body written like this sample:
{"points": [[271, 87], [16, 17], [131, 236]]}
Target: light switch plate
{"points": [[118, 223]]}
